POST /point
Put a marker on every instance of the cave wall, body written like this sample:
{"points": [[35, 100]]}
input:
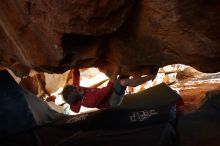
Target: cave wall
{"points": [[139, 36]]}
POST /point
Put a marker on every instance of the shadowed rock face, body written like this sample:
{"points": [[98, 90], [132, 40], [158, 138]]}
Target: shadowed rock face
{"points": [[139, 36]]}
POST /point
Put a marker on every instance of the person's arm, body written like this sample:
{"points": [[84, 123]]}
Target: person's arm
{"points": [[97, 96], [100, 95], [76, 77], [114, 74], [136, 81]]}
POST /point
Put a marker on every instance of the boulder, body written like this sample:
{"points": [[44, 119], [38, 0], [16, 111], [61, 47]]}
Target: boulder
{"points": [[139, 36]]}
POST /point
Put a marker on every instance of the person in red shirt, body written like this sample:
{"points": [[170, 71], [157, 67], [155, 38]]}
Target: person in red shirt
{"points": [[108, 96]]}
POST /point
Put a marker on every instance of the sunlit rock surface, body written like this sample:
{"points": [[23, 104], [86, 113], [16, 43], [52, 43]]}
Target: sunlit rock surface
{"points": [[139, 36], [193, 86], [42, 84]]}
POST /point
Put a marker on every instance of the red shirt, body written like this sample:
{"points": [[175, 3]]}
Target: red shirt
{"points": [[93, 97]]}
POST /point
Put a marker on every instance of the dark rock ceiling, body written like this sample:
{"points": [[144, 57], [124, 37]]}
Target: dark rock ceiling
{"points": [[139, 36]]}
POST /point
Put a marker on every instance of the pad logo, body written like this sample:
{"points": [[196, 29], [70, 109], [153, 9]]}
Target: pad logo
{"points": [[78, 118], [140, 116]]}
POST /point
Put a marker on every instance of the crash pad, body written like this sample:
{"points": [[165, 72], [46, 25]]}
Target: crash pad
{"points": [[20, 110], [118, 127], [140, 124], [157, 96]]}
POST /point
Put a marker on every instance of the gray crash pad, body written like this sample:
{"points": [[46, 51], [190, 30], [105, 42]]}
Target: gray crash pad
{"points": [[20, 110], [157, 96]]}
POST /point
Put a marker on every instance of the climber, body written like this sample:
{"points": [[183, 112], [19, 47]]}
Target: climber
{"points": [[108, 96]]}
